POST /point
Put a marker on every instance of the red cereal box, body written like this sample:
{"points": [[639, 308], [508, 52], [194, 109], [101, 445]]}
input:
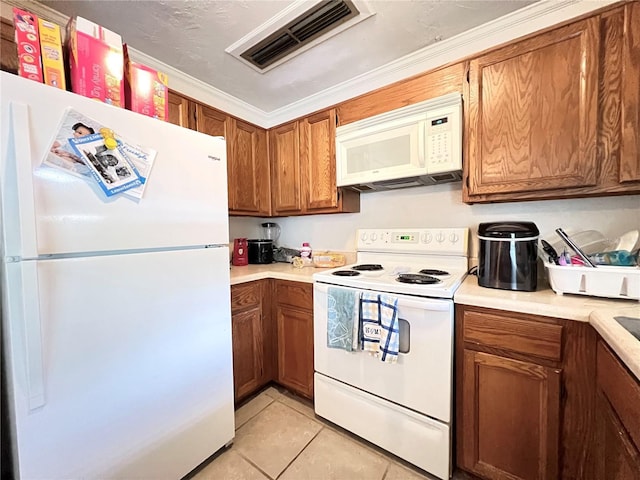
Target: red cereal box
{"points": [[146, 90], [28, 43], [95, 61]]}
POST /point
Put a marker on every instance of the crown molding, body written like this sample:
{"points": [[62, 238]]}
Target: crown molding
{"points": [[203, 92], [530, 19], [178, 81], [535, 17]]}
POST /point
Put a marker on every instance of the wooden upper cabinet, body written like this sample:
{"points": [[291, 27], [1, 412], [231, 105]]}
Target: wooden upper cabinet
{"points": [[180, 109], [303, 168], [248, 170], [630, 148], [8, 49], [211, 121], [318, 158], [533, 113], [286, 181]]}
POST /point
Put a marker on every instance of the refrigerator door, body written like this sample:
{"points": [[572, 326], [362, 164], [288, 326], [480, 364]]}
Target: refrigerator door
{"points": [[134, 378], [48, 211]]}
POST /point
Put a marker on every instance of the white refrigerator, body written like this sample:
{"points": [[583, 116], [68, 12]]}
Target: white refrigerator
{"points": [[116, 316]]}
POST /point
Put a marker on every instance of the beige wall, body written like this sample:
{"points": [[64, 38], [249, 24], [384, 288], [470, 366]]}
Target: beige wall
{"points": [[441, 206]]}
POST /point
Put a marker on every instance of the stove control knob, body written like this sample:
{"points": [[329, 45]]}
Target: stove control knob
{"points": [[425, 238], [374, 237], [440, 237], [453, 238], [364, 236]]}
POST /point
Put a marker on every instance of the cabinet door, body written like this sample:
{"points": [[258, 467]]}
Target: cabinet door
{"points": [[318, 158], [284, 154], [630, 147], [511, 417], [211, 121], [617, 457], [533, 113], [248, 354], [248, 170], [295, 348], [318, 161], [180, 110], [8, 48]]}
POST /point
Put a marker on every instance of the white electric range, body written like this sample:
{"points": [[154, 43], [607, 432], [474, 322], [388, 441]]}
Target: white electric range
{"points": [[404, 407]]}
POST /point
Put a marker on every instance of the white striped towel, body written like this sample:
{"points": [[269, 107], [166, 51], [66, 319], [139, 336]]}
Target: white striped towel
{"points": [[370, 322], [390, 332]]}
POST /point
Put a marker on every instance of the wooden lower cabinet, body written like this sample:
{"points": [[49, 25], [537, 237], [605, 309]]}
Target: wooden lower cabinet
{"points": [[252, 333], [525, 395], [272, 339], [618, 419], [294, 323], [512, 417]]}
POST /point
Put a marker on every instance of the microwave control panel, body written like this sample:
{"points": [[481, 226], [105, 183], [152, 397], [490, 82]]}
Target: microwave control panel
{"points": [[444, 139]]}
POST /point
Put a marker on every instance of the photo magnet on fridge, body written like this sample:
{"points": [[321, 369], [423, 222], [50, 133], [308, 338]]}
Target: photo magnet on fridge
{"points": [[108, 166], [61, 154]]}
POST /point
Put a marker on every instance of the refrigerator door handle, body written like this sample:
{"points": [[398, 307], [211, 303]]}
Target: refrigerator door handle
{"points": [[32, 335], [25, 208]]}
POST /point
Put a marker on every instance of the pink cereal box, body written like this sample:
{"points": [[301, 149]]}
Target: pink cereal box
{"points": [[28, 43], [146, 90], [96, 63]]}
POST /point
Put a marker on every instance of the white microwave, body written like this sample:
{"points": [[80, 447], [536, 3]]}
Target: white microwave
{"points": [[416, 145]]}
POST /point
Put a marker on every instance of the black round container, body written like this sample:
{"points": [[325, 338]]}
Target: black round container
{"points": [[508, 255], [260, 251]]}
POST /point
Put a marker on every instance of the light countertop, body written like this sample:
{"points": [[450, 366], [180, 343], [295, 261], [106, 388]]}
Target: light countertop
{"points": [[281, 271], [600, 312]]}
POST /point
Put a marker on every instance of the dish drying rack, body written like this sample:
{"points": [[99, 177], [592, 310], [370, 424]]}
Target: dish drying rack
{"points": [[602, 281]]}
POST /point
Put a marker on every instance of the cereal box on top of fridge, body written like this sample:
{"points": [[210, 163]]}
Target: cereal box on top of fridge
{"points": [[146, 90], [95, 61], [28, 43], [51, 48]]}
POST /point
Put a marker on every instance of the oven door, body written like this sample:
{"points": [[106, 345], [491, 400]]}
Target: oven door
{"points": [[421, 379]]}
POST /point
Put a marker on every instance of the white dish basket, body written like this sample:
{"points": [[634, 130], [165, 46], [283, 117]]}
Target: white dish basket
{"points": [[602, 281]]}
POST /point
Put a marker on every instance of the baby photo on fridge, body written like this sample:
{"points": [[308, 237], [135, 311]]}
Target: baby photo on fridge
{"points": [[61, 154], [101, 164]]}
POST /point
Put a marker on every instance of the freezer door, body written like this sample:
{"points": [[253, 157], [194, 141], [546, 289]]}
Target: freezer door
{"points": [[135, 373], [185, 201]]}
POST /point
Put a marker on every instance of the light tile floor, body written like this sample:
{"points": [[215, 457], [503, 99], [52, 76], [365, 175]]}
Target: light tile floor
{"points": [[278, 436]]}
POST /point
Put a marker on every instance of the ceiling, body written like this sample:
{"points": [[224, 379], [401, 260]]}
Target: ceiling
{"points": [[191, 36]]}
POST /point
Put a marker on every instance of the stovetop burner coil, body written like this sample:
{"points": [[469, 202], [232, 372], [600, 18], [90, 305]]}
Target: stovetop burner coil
{"points": [[346, 273], [417, 278], [433, 271], [367, 267]]}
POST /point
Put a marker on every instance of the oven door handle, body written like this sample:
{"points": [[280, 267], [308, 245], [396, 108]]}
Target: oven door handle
{"points": [[432, 304]]}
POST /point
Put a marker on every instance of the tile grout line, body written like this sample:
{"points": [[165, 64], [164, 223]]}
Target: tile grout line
{"points": [[297, 455], [300, 452], [307, 444]]}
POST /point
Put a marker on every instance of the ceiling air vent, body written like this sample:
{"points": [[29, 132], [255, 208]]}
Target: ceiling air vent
{"points": [[297, 29]]}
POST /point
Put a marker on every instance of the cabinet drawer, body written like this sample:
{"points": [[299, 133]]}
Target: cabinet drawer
{"points": [[526, 337], [295, 294], [621, 389], [245, 295]]}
